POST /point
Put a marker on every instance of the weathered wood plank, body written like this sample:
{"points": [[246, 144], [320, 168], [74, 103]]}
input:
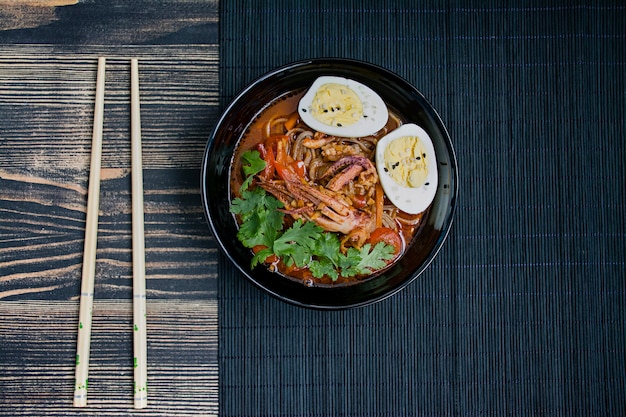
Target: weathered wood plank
{"points": [[47, 108], [48, 62], [38, 342], [42, 234], [112, 22], [45, 145]]}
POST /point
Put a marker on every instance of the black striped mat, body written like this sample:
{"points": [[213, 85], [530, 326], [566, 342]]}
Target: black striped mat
{"points": [[522, 313]]}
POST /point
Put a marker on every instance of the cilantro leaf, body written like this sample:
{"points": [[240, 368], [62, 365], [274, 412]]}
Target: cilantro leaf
{"points": [[328, 246], [250, 200], [261, 220], [323, 266], [253, 232], [252, 164], [295, 245], [349, 261], [261, 256], [363, 261]]}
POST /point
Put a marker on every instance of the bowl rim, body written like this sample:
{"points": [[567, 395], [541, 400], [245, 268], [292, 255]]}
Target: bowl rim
{"points": [[315, 62]]}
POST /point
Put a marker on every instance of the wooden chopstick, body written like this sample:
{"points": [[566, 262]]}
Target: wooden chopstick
{"points": [[139, 262], [91, 238]]}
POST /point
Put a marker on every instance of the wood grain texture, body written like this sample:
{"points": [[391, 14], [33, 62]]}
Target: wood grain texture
{"points": [[110, 22], [37, 373], [47, 106], [43, 233], [45, 141], [48, 62], [45, 135]]}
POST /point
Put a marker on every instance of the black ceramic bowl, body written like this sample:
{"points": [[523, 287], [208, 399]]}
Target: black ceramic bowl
{"points": [[216, 192]]}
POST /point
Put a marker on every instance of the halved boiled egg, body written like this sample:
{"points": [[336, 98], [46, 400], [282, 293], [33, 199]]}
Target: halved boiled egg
{"points": [[407, 168], [342, 107]]}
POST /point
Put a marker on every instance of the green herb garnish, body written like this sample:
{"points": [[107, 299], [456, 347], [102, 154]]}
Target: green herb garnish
{"points": [[252, 165], [304, 243]]}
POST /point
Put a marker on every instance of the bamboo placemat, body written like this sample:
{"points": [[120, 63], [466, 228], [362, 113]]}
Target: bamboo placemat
{"points": [[522, 313]]}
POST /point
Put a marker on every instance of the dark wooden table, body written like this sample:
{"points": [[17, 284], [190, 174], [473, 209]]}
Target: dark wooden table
{"points": [[48, 61]]}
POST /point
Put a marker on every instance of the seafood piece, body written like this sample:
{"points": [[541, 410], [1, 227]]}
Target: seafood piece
{"points": [[341, 147], [335, 151], [356, 238], [319, 139], [347, 175], [320, 205], [347, 169]]}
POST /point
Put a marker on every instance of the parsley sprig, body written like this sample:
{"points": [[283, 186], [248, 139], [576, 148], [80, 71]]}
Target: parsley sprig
{"points": [[304, 243]]}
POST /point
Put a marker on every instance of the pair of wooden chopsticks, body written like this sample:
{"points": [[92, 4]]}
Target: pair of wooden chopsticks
{"points": [[91, 234]]}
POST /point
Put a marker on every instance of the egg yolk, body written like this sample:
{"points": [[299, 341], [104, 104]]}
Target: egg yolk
{"points": [[336, 105], [405, 161]]}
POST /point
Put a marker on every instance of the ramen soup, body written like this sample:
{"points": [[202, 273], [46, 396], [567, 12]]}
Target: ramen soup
{"points": [[310, 205]]}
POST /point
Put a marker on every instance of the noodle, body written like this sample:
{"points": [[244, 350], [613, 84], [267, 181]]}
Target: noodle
{"points": [[298, 149], [270, 125]]}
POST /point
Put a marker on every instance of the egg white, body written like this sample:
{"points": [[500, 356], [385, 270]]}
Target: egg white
{"points": [[407, 199], [375, 113]]}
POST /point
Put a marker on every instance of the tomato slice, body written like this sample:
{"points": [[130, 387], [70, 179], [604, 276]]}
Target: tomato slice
{"points": [[287, 173], [274, 153], [286, 167], [275, 142], [267, 154], [299, 168], [387, 235], [282, 155]]}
